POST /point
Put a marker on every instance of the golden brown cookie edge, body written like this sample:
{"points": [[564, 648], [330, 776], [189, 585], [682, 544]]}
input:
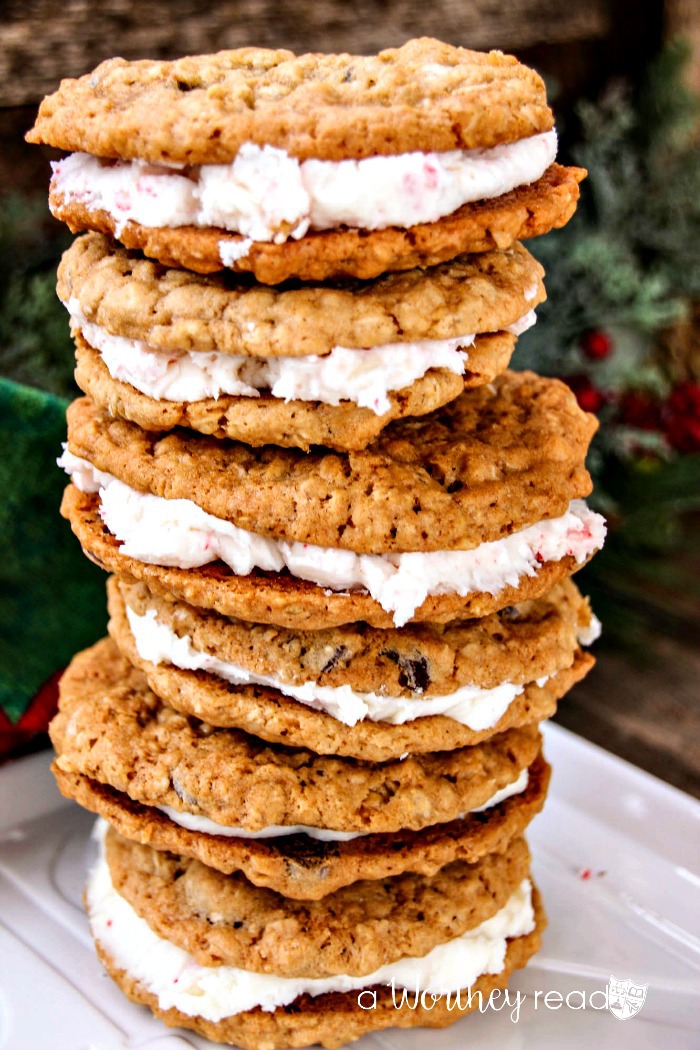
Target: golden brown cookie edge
{"points": [[310, 870], [528, 211]]}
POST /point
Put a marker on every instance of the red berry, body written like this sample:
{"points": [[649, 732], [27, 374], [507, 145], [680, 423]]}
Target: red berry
{"points": [[685, 399], [596, 345], [684, 436], [589, 397], [682, 416], [640, 409]]}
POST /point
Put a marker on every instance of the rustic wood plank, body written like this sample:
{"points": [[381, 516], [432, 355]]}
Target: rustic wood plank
{"points": [[45, 40], [647, 711]]}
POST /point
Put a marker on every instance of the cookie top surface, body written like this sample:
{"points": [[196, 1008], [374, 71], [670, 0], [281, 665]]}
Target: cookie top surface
{"points": [[173, 309], [112, 728], [224, 919], [493, 461], [302, 868], [425, 95]]}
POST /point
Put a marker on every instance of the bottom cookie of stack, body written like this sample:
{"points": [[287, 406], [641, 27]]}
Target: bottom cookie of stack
{"points": [[310, 892], [245, 965]]}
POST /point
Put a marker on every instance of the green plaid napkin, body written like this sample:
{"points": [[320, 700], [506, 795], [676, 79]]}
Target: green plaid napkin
{"points": [[52, 599]]}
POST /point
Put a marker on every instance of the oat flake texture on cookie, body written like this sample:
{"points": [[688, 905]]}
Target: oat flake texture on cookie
{"points": [[482, 499], [340, 531], [317, 364]]}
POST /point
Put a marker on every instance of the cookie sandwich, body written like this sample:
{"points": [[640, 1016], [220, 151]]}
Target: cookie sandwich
{"points": [[459, 513], [368, 693], [340, 532], [312, 166], [241, 966]]}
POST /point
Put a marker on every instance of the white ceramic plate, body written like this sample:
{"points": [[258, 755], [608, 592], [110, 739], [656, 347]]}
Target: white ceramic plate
{"points": [[616, 855]]}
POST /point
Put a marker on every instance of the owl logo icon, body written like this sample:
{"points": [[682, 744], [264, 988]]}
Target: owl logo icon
{"points": [[625, 999]]}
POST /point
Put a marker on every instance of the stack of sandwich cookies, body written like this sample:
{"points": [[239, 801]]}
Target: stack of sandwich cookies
{"points": [[341, 532], [254, 806]]}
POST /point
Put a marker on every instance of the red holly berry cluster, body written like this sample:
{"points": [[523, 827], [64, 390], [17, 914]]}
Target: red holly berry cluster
{"points": [[640, 409], [596, 345], [681, 417], [677, 417]]}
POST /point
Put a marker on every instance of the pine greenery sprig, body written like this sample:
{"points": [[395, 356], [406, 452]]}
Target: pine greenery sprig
{"points": [[624, 269], [631, 254]]}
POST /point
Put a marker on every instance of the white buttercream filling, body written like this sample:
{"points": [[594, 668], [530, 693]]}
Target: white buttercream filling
{"points": [[531, 291], [176, 532], [591, 632], [266, 195], [215, 992], [210, 827], [471, 705], [364, 376]]}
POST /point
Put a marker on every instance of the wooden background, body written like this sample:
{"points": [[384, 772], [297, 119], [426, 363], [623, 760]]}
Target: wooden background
{"points": [[75, 34], [577, 45], [648, 712]]}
